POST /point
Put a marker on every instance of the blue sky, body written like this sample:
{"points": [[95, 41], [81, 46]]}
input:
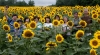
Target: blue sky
{"points": [[43, 2]]}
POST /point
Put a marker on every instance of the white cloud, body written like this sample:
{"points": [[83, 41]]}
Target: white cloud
{"points": [[42, 2]]}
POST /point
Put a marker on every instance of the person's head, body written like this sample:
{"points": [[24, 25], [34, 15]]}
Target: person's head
{"points": [[57, 17], [75, 14], [20, 21], [36, 18], [85, 12], [47, 20], [65, 19], [14, 17], [26, 19]]}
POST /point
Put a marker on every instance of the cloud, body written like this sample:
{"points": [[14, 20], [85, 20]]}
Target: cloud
{"points": [[42, 2]]}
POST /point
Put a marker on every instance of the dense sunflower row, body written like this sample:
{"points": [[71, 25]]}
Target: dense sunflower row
{"points": [[55, 42]]}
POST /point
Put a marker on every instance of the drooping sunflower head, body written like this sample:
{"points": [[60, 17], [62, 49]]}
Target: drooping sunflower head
{"points": [[32, 24], [70, 23], [94, 43], [95, 16], [16, 25], [9, 37], [6, 27], [83, 23], [59, 38], [61, 22], [93, 52], [51, 44], [79, 34], [55, 23], [27, 33]]}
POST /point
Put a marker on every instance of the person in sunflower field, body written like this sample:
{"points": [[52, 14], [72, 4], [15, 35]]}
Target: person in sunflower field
{"points": [[38, 23], [65, 28], [18, 31], [76, 21], [9, 20], [47, 23], [88, 20], [57, 17], [26, 21]]}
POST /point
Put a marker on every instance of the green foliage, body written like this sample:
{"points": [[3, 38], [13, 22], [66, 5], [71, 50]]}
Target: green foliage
{"points": [[77, 2], [16, 3]]}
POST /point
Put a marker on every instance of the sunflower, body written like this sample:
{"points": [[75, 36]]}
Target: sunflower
{"points": [[97, 36], [47, 49], [59, 38], [16, 25], [98, 20], [42, 20], [79, 34], [32, 24], [55, 23], [83, 23], [6, 27], [70, 23], [26, 25], [51, 44], [27, 33], [93, 52], [94, 16], [94, 43], [96, 33], [69, 14], [61, 22], [9, 37]]}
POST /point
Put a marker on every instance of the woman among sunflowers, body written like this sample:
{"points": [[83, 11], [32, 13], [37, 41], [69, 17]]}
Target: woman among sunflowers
{"points": [[38, 23], [48, 24], [65, 28]]}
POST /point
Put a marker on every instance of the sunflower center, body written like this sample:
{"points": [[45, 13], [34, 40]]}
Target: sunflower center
{"points": [[32, 25], [28, 34], [94, 43], [51, 45], [9, 37], [55, 23], [59, 38], [80, 34], [6, 28], [70, 23], [16, 25], [82, 23], [99, 37], [92, 53], [95, 16]]}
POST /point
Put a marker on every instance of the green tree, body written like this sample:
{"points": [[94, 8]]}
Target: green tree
{"points": [[31, 3]]}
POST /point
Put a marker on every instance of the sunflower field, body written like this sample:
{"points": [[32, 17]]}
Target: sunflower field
{"points": [[50, 41]]}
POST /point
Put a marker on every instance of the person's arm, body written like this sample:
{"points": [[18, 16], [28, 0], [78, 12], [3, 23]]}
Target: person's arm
{"points": [[5, 12]]}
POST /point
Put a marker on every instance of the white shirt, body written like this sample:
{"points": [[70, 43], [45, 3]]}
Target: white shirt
{"points": [[47, 25], [65, 28]]}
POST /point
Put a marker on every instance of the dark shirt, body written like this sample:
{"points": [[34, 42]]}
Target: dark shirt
{"points": [[88, 19]]}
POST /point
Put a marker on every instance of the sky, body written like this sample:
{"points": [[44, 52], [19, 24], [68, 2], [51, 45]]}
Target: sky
{"points": [[43, 2]]}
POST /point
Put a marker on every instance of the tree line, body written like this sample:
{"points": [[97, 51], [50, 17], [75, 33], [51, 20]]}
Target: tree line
{"points": [[77, 2], [16, 3]]}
